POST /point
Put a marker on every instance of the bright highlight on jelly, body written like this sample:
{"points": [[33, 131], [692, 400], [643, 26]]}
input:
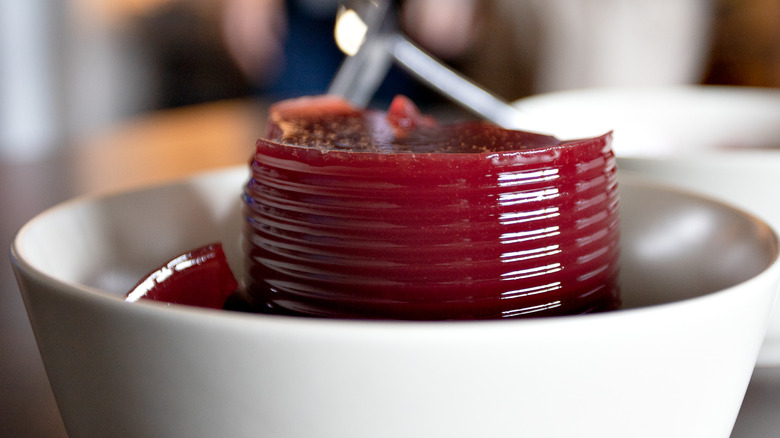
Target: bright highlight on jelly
{"points": [[363, 214]]}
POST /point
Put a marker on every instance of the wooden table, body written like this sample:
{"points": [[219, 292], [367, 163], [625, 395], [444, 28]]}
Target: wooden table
{"points": [[147, 150]]}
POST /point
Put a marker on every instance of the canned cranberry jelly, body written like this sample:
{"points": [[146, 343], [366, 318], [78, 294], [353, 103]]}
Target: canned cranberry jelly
{"points": [[362, 214]]}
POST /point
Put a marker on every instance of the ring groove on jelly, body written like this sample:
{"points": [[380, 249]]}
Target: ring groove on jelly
{"points": [[433, 235]]}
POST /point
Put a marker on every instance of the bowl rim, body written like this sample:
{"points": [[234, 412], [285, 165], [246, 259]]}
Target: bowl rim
{"points": [[657, 92], [739, 110], [25, 268]]}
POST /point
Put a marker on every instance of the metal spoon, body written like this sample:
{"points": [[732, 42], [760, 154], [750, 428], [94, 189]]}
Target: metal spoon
{"points": [[379, 43]]}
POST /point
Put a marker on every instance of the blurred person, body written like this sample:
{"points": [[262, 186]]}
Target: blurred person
{"points": [[518, 47], [287, 48], [183, 40]]}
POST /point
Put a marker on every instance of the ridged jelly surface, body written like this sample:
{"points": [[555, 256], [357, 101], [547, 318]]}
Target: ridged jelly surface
{"points": [[460, 231]]}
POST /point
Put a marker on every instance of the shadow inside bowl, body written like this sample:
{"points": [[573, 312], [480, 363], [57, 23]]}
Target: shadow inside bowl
{"points": [[674, 245]]}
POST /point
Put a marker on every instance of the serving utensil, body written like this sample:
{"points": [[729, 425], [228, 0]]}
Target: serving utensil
{"points": [[368, 34]]}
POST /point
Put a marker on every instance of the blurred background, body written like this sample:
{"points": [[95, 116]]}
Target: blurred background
{"points": [[97, 95], [72, 67]]}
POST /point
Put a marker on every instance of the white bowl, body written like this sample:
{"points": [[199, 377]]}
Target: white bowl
{"points": [[719, 141], [663, 121], [675, 363]]}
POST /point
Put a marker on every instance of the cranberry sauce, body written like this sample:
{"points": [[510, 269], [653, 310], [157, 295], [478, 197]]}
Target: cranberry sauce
{"points": [[362, 214]]}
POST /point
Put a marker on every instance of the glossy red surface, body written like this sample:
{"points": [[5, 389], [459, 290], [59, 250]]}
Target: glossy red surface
{"points": [[200, 277], [483, 223]]}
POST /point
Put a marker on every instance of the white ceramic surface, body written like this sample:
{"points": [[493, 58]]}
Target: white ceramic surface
{"points": [[720, 141], [675, 363], [747, 180], [663, 121]]}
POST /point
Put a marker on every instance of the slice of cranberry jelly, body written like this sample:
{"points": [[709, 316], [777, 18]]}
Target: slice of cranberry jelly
{"points": [[353, 213], [200, 277]]}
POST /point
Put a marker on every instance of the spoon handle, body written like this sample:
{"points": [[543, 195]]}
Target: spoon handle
{"points": [[380, 43], [360, 75], [451, 83]]}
